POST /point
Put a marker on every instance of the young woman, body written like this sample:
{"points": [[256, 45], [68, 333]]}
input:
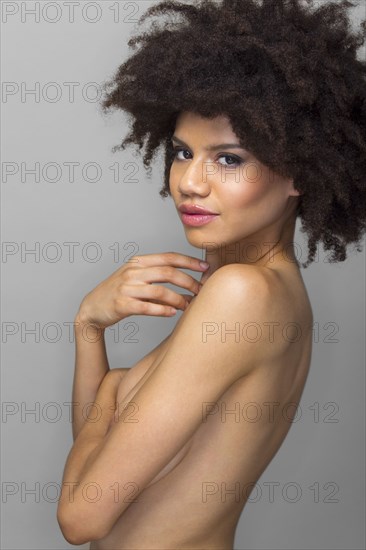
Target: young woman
{"points": [[261, 110]]}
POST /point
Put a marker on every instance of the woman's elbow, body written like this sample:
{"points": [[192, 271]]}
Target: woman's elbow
{"points": [[76, 532]]}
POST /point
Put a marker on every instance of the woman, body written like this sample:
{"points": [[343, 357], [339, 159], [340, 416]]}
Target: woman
{"points": [[177, 442]]}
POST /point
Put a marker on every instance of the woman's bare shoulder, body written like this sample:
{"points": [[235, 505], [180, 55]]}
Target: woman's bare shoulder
{"points": [[238, 277], [258, 292]]}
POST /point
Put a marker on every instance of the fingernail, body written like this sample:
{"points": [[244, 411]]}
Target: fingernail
{"points": [[204, 264]]}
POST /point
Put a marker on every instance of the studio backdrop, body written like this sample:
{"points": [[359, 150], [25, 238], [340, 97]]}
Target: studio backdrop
{"points": [[72, 212]]}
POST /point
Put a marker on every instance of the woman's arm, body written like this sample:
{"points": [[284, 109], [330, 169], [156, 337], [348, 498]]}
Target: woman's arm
{"points": [[90, 438], [91, 366], [169, 406], [115, 299], [96, 424]]}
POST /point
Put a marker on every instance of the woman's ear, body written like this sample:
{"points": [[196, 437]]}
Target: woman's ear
{"points": [[294, 192]]}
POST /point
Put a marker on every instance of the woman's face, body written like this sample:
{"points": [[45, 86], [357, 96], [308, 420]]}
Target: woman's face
{"points": [[251, 201]]}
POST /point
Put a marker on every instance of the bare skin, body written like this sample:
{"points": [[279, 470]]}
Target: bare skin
{"points": [[192, 494], [189, 503], [227, 451]]}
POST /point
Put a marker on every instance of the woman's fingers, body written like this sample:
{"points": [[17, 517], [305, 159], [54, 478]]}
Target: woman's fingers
{"points": [[178, 301], [130, 290], [166, 274], [173, 259]]}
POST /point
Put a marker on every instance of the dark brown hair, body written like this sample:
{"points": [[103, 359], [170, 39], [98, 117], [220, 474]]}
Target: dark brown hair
{"points": [[287, 76]]}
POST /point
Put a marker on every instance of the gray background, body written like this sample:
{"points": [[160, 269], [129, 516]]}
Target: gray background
{"points": [[322, 457]]}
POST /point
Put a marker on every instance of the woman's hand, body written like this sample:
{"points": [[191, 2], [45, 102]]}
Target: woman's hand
{"points": [[128, 291]]}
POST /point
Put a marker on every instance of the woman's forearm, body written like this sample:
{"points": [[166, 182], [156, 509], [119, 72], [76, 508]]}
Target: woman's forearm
{"points": [[91, 366], [90, 439]]}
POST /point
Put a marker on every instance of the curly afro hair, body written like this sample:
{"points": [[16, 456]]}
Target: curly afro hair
{"points": [[287, 76]]}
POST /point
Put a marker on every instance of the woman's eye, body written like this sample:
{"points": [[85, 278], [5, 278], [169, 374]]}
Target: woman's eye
{"points": [[236, 161], [178, 150]]}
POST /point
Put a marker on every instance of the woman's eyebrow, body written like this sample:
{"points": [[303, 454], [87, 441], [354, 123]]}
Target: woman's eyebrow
{"points": [[212, 147]]}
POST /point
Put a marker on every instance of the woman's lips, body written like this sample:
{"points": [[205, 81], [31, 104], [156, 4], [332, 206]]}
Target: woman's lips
{"points": [[197, 219]]}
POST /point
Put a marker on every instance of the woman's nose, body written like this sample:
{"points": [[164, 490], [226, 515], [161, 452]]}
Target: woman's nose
{"points": [[196, 178]]}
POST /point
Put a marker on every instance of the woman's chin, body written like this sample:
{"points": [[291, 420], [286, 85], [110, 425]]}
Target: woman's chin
{"points": [[200, 241]]}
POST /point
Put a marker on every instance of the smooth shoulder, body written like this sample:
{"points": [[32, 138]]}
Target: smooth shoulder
{"points": [[232, 293], [240, 280], [244, 293], [235, 297], [258, 301]]}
